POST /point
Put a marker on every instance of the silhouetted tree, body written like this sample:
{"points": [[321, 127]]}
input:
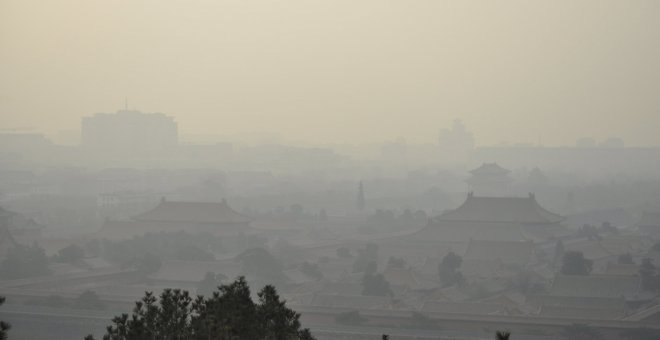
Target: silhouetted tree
{"points": [[70, 254], [574, 263], [228, 314], [296, 211], [260, 263], [608, 227], [374, 284], [305, 334], [89, 300], [361, 201], [210, 283], [656, 247], [277, 321], [649, 275], [365, 257], [4, 326], [23, 261], [590, 232], [231, 314], [448, 270], [625, 259], [350, 318], [524, 281]]}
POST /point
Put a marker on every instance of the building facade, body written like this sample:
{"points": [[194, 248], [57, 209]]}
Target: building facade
{"points": [[129, 132]]}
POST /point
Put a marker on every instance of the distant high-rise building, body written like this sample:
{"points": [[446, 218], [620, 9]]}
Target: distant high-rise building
{"points": [[456, 143], [361, 202], [129, 132], [612, 143]]}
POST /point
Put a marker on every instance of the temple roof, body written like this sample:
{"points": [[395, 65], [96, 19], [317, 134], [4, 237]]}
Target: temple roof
{"points": [[193, 212], [501, 209], [489, 169]]}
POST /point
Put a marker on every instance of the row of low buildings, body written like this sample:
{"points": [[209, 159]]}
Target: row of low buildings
{"points": [[509, 256], [498, 238]]}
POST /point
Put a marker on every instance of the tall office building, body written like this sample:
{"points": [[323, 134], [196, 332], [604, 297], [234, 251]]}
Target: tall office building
{"points": [[129, 132]]}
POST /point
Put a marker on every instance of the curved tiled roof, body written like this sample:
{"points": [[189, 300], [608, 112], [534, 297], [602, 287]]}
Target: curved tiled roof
{"points": [[193, 212], [523, 210], [463, 231], [489, 169]]}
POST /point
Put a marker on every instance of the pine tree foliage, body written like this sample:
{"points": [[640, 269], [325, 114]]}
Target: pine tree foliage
{"points": [[4, 326], [230, 313]]}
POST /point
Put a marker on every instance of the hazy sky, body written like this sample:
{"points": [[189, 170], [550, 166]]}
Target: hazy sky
{"points": [[340, 71]]}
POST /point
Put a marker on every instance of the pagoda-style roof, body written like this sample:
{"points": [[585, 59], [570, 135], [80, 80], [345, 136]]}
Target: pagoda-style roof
{"points": [[649, 219], [193, 212], [490, 169], [524, 210]]}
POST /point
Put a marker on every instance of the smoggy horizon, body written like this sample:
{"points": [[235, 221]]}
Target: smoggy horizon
{"points": [[339, 72]]}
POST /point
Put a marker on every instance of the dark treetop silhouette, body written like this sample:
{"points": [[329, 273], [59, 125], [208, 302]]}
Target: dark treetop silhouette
{"points": [[229, 313]]}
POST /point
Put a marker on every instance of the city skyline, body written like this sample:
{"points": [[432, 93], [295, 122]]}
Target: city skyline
{"points": [[543, 73], [73, 135]]}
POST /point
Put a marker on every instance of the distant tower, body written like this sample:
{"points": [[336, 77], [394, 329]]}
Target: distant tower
{"points": [[360, 203], [6, 239], [456, 144], [489, 179], [570, 202], [537, 180]]}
